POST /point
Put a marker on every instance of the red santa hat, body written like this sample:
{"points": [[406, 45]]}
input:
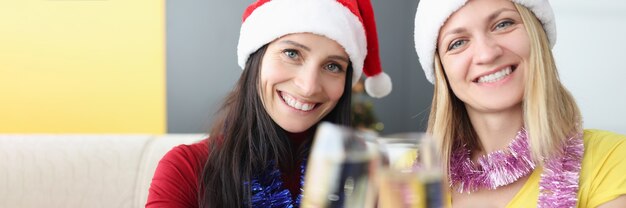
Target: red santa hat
{"points": [[432, 14], [348, 22]]}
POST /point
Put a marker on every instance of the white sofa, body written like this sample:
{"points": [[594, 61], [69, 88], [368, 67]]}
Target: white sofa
{"points": [[81, 170]]}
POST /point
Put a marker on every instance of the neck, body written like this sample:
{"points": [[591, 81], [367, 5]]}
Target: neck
{"points": [[495, 130], [299, 137]]}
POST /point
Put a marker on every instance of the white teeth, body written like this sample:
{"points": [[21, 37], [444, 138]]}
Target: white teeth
{"points": [[297, 105], [495, 76]]}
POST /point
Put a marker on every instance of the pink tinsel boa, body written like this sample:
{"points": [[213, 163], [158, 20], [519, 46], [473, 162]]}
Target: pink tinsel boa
{"points": [[559, 180]]}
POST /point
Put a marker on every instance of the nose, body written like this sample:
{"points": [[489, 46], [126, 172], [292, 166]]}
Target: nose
{"points": [[308, 80], [487, 50]]}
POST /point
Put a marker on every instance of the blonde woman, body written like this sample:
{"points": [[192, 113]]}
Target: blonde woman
{"points": [[511, 134]]}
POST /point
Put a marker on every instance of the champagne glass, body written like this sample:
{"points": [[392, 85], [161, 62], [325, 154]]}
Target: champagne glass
{"points": [[411, 174], [339, 168]]}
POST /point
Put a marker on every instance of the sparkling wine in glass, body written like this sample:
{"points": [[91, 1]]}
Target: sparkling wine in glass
{"points": [[411, 174], [339, 169]]}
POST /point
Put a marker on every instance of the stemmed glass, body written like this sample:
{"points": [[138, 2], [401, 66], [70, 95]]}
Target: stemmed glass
{"points": [[353, 168], [340, 168], [411, 173]]}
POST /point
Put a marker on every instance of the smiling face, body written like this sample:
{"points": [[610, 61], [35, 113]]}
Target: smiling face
{"points": [[302, 78], [484, 50]]}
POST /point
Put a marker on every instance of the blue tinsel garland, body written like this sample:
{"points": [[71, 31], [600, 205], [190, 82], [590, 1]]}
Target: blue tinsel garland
{"points": [[267, 190]]}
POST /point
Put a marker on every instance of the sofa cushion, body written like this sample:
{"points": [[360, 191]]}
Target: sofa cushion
{"points": [[80, 170]]}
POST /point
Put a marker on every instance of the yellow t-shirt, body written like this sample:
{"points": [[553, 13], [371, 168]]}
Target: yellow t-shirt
{"points": [[602, 177]]}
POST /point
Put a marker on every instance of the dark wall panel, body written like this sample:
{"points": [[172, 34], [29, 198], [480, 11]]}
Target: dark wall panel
{"points": [[201, 63]]}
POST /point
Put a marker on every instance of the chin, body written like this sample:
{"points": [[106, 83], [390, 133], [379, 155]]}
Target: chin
{"points": [[295, 128], [503, 106]]}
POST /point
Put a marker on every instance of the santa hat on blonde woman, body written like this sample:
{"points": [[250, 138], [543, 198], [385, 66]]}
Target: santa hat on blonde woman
{"points": [[432, 14], [348, 22]]}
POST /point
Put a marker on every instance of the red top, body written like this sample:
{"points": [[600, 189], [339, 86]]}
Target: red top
{"points": [[175, 182]]}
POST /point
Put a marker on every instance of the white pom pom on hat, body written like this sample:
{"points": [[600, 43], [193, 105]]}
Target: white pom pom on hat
{"points": [[431, 15], [350, 23]]}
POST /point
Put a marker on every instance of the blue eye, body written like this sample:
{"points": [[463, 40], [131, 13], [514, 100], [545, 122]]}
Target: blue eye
{"points": [[503, 24], [293, 54], [334, 68], [456, 44]]}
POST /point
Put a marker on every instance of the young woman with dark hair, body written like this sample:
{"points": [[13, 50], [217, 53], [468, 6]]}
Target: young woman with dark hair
{"points": [[300, 60], [259, 139]]}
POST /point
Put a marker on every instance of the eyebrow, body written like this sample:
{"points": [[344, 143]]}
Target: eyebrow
{"points": [[341, 58], [490, 18], [497, 13], [296, 44]]}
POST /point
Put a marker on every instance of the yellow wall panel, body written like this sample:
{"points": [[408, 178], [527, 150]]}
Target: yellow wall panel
{"points": [[76, 66]]}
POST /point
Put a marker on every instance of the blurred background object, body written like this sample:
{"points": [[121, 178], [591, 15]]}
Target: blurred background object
{"points": [[363, 116]]}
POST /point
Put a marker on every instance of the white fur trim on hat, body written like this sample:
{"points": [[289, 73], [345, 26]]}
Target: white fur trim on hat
{"points": [[432, 14], [329, 18]]}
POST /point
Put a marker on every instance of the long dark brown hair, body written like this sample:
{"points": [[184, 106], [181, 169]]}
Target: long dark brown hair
{"points": [[244, 139]]}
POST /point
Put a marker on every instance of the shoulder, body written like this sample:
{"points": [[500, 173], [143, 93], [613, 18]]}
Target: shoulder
{"points": [[604, 150], [189, 154], [604, 142], [175, 181], [602, 175], [184, 160]]}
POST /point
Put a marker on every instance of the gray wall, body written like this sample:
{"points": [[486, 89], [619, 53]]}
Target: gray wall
{"points": [[201, 63], [407, 107]]}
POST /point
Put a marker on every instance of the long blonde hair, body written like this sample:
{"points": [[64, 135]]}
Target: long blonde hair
{"points": [[550, 112]]}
